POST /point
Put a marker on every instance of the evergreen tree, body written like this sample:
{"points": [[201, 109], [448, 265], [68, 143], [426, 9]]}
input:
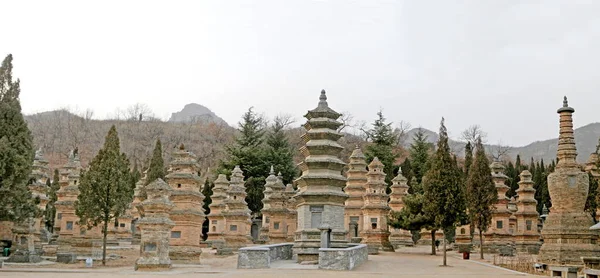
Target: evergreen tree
{"points": [[532, 169], [156, 170], [406, 168], [279, 152], [207, 191], [16, 151], [105, 188], [383, 142], [444, 199], [248, 152], [512, 174], [468, 158], [481, 192], [412, 216], [419, 154], [591, 204], [50, 213], [135, 175]]}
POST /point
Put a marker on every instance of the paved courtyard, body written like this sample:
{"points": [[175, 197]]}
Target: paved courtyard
{"points": [[414, 263]]}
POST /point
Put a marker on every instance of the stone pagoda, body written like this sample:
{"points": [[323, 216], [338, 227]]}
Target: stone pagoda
{"points": [[399, 237], [39, 176], [591, 166], [66, 220], [275, 211], [292, 217], [215, 217], [527, 236], [498, 237], [566, 232], [355, 188], [139, 196], [320, 198], [236, 213], [188, 213], [376, 210], [155, 226]]}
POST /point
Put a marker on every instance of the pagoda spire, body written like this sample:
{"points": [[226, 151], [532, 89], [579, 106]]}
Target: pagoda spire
{"points": [[567, 151]]}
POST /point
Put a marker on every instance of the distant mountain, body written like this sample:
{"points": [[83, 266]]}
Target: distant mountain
{"points": [[586, 139], [194, 112]]}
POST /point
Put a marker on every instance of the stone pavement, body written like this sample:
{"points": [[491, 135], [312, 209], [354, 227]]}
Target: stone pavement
{"points": [[414, 263]]}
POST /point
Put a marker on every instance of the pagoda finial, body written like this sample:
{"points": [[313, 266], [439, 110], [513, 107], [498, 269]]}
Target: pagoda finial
{"points": [[323, 99], [272, 171], [565, 102]]}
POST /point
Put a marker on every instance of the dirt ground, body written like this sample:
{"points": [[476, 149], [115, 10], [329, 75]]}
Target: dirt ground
{"points": [[407, 262]]}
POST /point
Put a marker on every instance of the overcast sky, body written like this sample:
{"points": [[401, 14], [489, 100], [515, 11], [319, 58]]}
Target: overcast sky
{"points": [[504, 65]]}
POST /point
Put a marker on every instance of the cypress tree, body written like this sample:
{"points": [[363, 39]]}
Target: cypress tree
{"points": [[468, 158], [156, 170], [511, 173], [50, 213], [16, 151], [419, 154], [532, 168], [135, 175], [383, 142], [412, 216], [279, 152], [406, 168], [444, 199], [591, 204], [207, 191], [481, 193], [248, 152], [105, 189]]}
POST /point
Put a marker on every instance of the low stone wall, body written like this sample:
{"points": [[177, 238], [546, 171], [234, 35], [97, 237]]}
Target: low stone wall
{"points": [[343, 258], [261, 256]]}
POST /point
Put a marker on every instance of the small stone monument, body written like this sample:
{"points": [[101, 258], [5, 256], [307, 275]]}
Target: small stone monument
{"points": [[274, 226], [498, 238], [566, 232], [156, 227], [376, 210], [399, 237], [355, 188], [527, 236], [320, 197], [23, 248]]}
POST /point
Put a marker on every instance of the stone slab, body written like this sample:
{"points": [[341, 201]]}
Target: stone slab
{"points": [[343, 258], [66, 258], [262, 256]]}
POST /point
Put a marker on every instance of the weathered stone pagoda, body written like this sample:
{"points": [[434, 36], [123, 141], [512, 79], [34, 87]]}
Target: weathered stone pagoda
{"points": [[292, 217], [320, 199], [591, 166], [399, 237], [376, 210], [236, 213], [498, 236], [355, 188], [275, 212], [566, 232], [139, 195], [188, 213], [155, 227], [527, 236], [39, 176], [66, 220], [215, 217]]}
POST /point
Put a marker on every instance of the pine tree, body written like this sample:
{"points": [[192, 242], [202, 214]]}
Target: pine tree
{"points": [[156, 170], [591, 204], [279, 152], [412, 217], [444, 199], [105, 188], [50, 213], [383, 143], [16, 151], [248, 152], [481, 192], [468, 158], [419, 154]]}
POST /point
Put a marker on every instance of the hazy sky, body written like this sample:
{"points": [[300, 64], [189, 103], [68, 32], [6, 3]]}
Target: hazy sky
{"points": [[504, 65]]}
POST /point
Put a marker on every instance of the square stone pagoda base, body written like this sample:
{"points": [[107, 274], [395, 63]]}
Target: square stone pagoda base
{"points": [[24, 257], [152, 264]]}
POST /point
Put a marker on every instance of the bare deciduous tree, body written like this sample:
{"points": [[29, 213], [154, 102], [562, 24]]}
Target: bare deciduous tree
{"points": [[472, 133]]}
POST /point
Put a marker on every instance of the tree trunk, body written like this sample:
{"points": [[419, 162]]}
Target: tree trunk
{"points": [[481, 243], [104, 232], [444, 239], [432, 242]]}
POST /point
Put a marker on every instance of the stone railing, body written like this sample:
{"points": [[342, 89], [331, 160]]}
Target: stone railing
{"points": [[261, 256], [343, 258]]}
